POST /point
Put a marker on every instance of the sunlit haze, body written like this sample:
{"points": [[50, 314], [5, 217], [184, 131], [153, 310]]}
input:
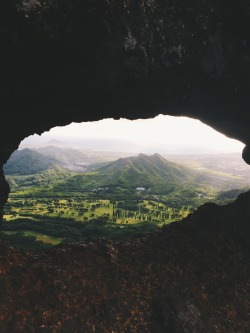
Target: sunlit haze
{"points": [[163, 134]]}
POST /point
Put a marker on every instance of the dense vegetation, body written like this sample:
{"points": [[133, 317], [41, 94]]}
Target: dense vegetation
{"points": [[27, 162], [49, 204]]}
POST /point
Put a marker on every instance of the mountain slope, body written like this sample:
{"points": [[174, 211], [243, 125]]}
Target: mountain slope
{"points": [[154, 165], [151, 172], [74, 156], [29, 168], [49, 177], [27, 162], [64, 155]]}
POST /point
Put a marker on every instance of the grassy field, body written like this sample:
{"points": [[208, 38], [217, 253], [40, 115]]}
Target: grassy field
{"points": [[52, 220], [40, 237], [85, 210]]}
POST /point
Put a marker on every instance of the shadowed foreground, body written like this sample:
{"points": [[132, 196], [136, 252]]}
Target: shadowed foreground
{"points": [[191, 277]]}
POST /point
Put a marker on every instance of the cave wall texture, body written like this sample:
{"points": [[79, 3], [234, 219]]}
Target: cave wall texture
{"points": [[83, 60], [64, 61]]}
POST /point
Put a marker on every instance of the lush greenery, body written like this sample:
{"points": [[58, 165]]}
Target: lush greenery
{"points": [[127, 197], [27, 161]]}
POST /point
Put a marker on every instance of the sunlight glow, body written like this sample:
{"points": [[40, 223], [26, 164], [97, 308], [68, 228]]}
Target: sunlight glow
{"points": [[163, 134]]}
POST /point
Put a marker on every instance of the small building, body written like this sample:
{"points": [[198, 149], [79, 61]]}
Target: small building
{"points": [[140, 189]]}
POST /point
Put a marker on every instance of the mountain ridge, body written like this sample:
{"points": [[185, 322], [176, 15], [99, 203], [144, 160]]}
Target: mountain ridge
{"points": [[27, 162], [155, 164], [152, 172]]}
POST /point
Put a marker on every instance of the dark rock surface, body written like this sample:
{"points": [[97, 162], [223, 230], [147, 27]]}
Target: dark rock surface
{"points": [[139, 57], [64, 61], [193, 276]]}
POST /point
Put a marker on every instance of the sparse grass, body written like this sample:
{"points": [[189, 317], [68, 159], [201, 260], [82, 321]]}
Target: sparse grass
{"points": [[39, 237]]}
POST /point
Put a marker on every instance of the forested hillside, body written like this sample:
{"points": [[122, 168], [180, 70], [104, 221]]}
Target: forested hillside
{"points": [[27, 162]]}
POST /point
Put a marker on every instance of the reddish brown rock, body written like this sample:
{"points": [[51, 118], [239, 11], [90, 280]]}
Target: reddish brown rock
{"points": [[193, 276]]}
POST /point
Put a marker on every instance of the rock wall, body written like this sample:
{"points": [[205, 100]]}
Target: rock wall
{"points": [[64, 61]]}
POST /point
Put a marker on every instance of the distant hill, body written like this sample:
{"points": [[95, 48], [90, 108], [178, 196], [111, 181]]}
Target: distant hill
{"points": [[27, 162], [153, 173], [154, 165], [226, 163], [64, 155], [145, 170], [79, 160]]}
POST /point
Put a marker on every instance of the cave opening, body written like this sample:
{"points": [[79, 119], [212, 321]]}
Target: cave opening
{"points": [[66, 61], [117, 179]]}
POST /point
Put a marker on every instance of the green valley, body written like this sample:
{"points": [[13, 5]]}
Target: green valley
{"points": [[50, 203]]}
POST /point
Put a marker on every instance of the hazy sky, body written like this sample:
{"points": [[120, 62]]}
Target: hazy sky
{"points": [[163, 132]]}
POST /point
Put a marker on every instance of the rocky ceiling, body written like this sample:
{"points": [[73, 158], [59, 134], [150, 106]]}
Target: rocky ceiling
{"points": [[64, 61]]}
